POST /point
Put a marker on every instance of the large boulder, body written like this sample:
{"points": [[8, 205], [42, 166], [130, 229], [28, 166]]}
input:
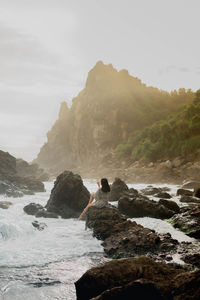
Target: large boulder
{"points": [[137, 278], [184, 192], [141, 206], [118, 187], [69, 196]]}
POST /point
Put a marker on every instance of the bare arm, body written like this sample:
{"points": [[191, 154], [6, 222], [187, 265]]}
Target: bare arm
{"points": [[98, 183], [86, 208]]}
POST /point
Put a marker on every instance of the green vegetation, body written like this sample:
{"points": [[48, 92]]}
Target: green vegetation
{"points": [[179, 135]]}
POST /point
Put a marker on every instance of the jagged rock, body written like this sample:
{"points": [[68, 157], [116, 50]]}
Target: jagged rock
{"points": [[24, 169], [11, 183], [189, 199], [5, 204], [188, 221], [117, 189], [69, 196], [159, 279], [184, 192], [32, 208], [141, 206], [193, 259], [39, 226], [122, 237]]}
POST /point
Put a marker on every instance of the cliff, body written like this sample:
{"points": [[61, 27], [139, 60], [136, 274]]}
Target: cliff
{"points": [[106, 112]]}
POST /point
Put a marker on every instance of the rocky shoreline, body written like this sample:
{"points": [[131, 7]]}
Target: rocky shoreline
{"points": [[126, 242]]}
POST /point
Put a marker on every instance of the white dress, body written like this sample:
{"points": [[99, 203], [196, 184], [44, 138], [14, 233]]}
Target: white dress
{"points": [[101, 198]]}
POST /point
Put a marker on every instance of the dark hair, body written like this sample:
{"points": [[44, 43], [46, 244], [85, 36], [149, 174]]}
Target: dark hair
{"points": [[104, 185]]}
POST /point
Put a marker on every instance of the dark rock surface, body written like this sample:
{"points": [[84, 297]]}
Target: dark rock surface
{"points": [[24, 169], [32, 208], [188, 221], [69, 196], [197, 192], [134, 278], [122, 237], [163, 195], [184, 192], [42, 213], [189, 199], [141, 206], [118, 187]]}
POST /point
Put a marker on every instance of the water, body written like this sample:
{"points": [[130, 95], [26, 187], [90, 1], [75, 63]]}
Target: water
{"points": [[45, 264]]}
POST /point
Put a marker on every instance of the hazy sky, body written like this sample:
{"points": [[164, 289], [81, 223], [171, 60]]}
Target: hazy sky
{"points": [[47, 48]]}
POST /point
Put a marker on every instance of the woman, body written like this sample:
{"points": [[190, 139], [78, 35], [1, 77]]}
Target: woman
{"points": [[101, 196]]}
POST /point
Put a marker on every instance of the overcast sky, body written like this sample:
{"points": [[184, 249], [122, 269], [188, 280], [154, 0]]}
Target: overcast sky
{"points": [[47, 48]]}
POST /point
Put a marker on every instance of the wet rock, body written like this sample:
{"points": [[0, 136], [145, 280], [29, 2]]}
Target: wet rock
{"points": [[141, 206], [189, 199], [122, 237], [197, 192], [157, 278], [150, 190], [69, 196], [5, 204], [172, 205], [14, 193], [117, 189], [193, 259], [137, 290], [42, 213], [188, 221], [32, 208], [163, 195], [39, 226], [184, 192]]}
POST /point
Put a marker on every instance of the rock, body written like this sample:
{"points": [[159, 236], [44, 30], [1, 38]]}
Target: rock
{"points": [[149, 191], [163, 195], [193, 259], [69, 196], [39, 226], [42, 213], [117, 189], [137, 290], [188, 221], [5, 204], [141, 206], [14, 193], [172, 205], [122, 237], [184, 192], [24, 169], [197, 192], [32, 208], [12, 184], [191, 185], [189, 199], [124, 273]]}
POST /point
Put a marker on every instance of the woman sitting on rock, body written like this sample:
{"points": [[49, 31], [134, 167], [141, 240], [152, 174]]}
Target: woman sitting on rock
{"points": [[101, 196]]}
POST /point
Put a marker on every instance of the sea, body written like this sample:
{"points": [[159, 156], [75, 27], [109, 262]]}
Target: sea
{"points": [[41, 265]]}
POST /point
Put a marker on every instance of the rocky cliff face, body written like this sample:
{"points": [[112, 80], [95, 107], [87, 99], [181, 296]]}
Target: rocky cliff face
{"points": [[111, 106], [18, 178]]}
